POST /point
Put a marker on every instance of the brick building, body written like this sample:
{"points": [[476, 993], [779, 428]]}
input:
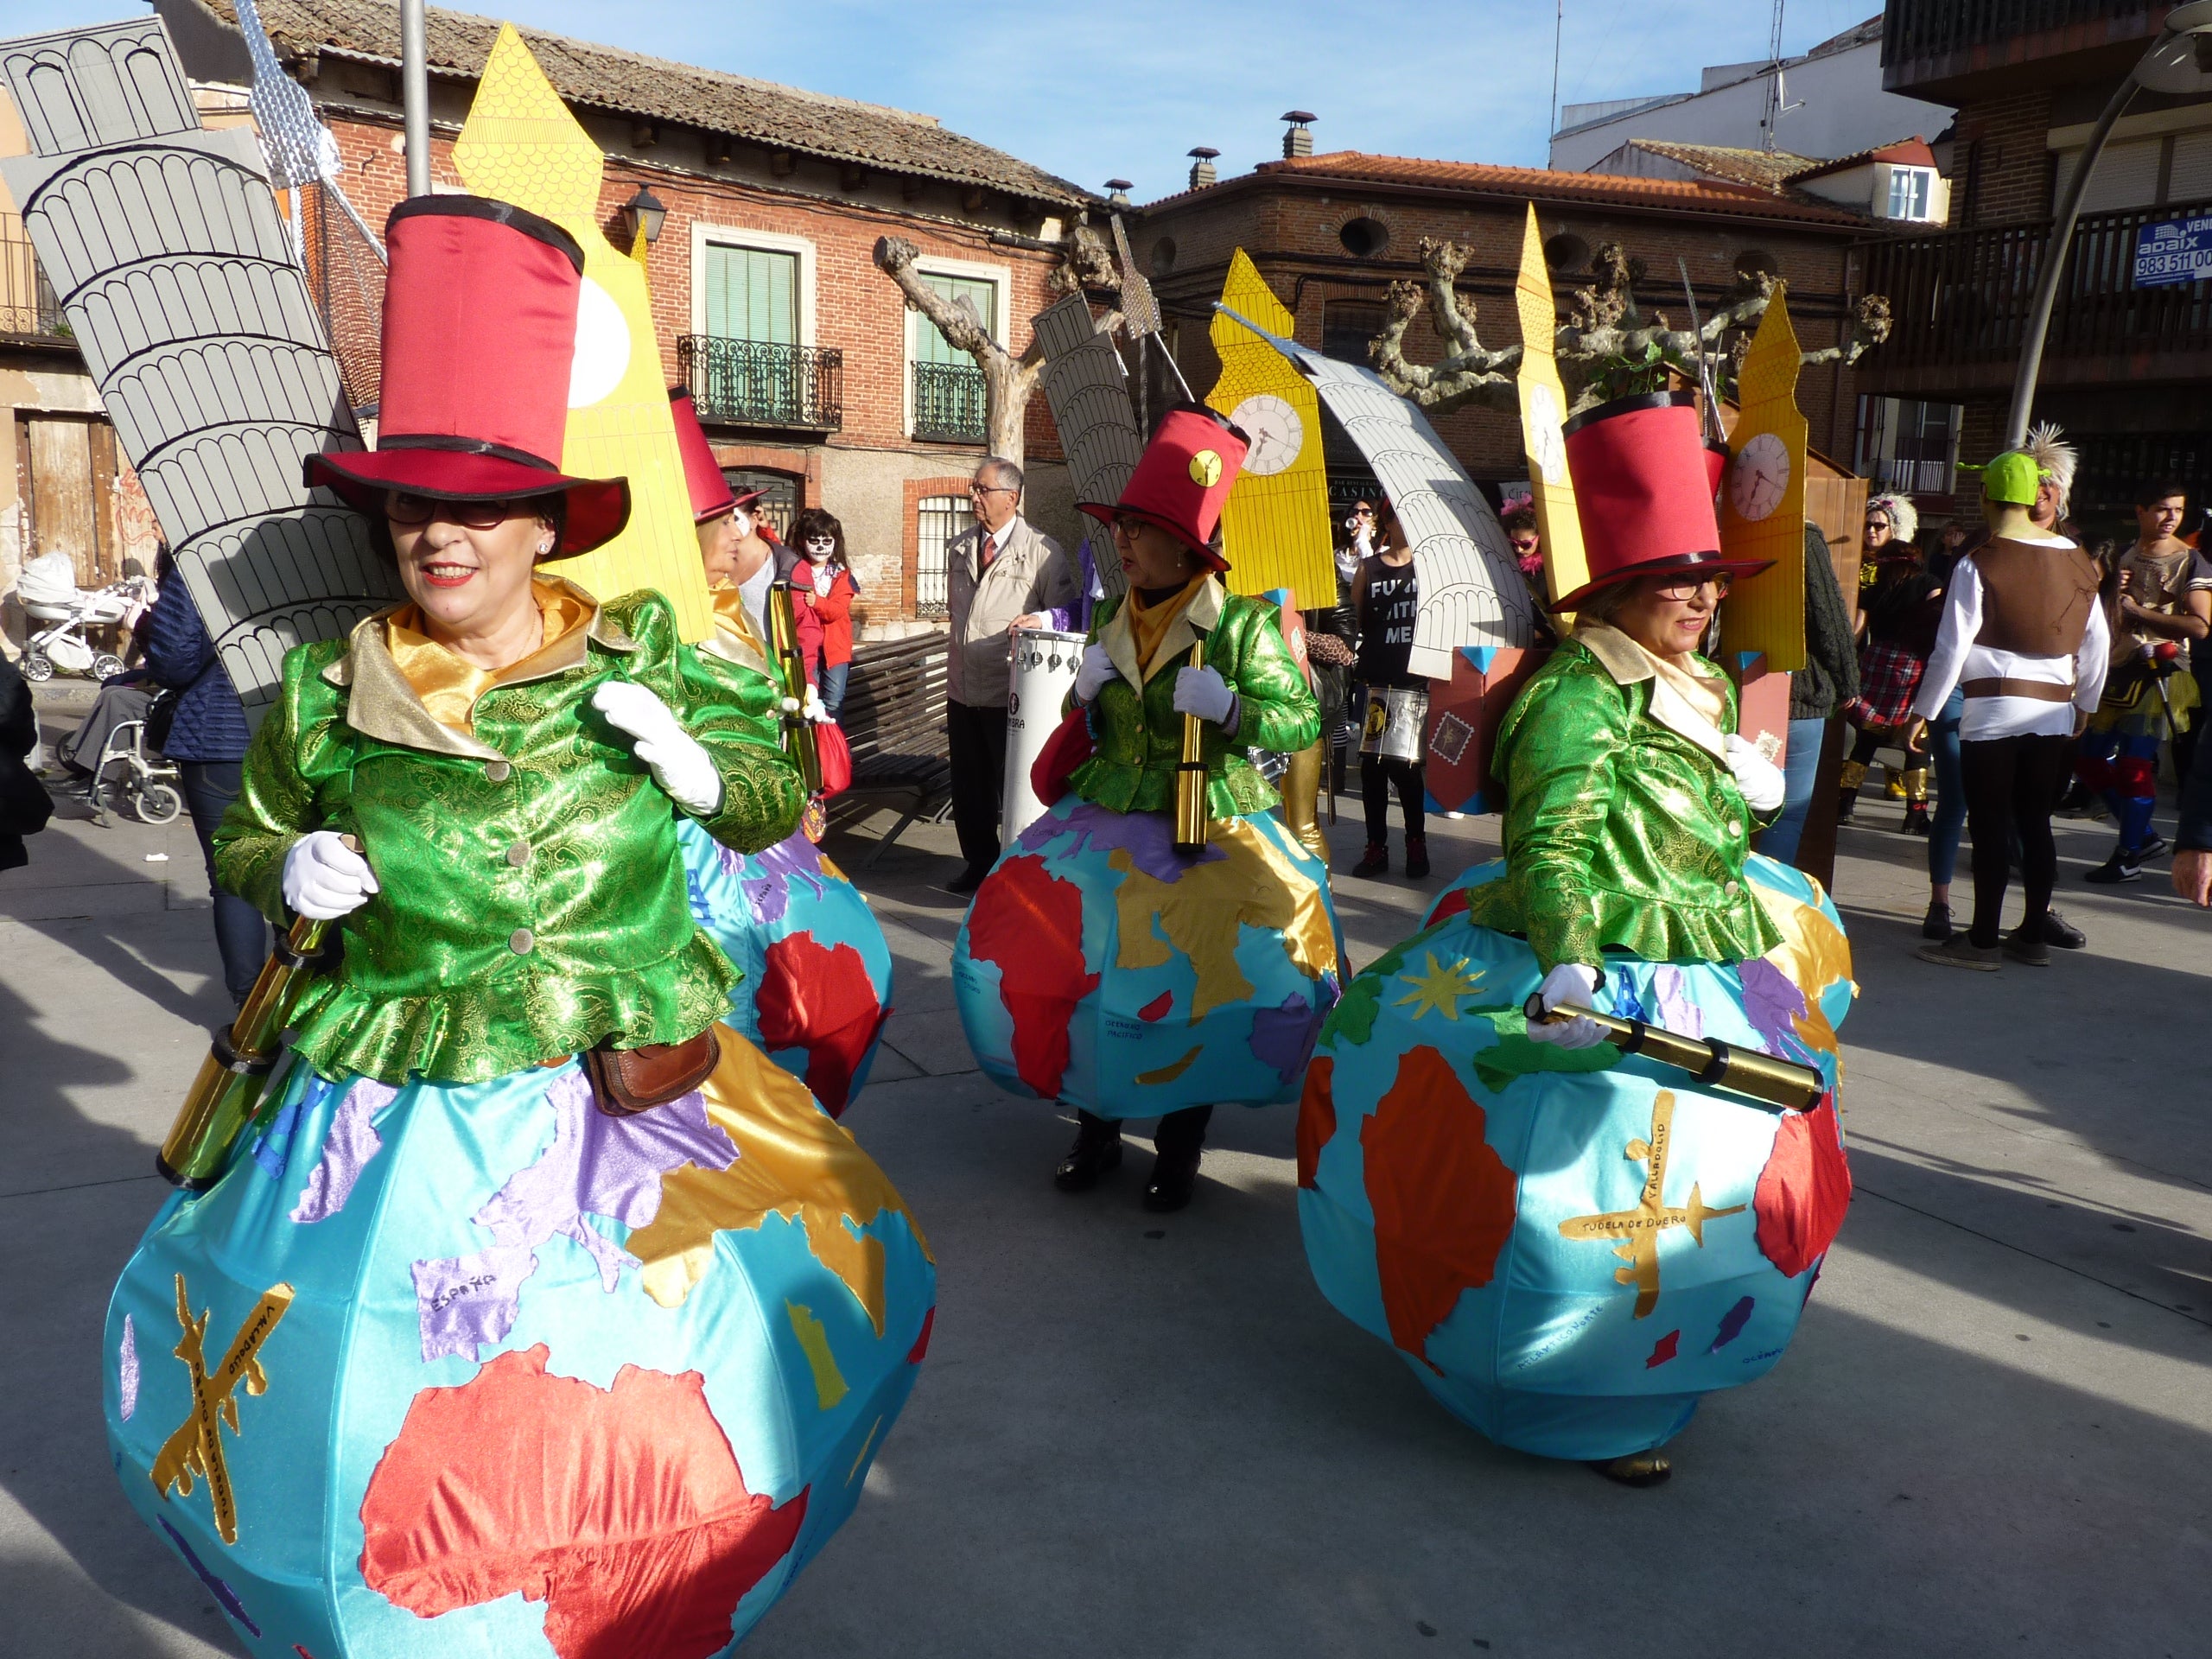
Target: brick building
{"points": [[2124, 370], [1331, 232], [813, 379]]}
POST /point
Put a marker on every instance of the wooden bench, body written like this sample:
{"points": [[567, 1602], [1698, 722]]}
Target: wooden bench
{"points": [[893, 720]]}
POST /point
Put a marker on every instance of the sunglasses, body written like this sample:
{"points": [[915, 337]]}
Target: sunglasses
{"points": [[1687, 587], [403, 507]]}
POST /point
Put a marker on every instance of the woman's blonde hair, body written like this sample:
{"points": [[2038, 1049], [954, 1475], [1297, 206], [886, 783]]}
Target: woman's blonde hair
{"points": [[1903, 516]]}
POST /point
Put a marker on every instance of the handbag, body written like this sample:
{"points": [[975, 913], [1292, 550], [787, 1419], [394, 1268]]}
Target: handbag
{"points": [[835, 755], [161, 713], [627, 1081], [1068, 747]]}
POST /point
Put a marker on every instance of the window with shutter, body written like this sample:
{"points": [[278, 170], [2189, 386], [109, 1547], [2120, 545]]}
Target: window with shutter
{"points": [[752, 294]]}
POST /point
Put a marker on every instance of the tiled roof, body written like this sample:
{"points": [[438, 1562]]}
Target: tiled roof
{"points": [[1912, 152], [1686, 195], [606, 78], [1762, 169]]}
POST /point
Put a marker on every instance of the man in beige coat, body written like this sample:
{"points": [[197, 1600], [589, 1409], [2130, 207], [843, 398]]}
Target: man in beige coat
{"points": [[1001, 574]]}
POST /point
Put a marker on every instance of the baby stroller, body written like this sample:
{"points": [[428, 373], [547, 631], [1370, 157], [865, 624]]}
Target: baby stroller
{"points": [[50, 595]]}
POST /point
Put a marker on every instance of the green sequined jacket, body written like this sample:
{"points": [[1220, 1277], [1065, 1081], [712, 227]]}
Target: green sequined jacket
{"points": [[1138, 740], [532, 897], [1624, 830]]}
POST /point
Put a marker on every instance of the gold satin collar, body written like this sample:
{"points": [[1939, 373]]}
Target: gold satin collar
{"points": [[1689, 702], [449, 685], [1149, 623]]}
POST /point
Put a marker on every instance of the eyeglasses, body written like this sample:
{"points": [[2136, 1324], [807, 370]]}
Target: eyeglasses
{"points": [[1363, 512], [404, 507], [1687, 587], [991, 489]]}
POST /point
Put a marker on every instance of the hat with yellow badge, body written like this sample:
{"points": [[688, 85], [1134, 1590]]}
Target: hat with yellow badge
{"points": [[1183, 480]]}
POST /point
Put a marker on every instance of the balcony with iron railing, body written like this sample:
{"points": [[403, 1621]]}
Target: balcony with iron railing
{"points": [[1931, 46], [1958, 304], [758, 382], [951, 404], [28, 309]]}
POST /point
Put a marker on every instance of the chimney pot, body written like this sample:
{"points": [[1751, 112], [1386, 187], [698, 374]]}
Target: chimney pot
{"points": [[1118, 192], [1298, 140], [1202, 168]]}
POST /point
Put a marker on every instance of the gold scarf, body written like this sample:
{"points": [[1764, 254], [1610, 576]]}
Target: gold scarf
{"points": [[1149, 623], [449, 685], [732, 617]]}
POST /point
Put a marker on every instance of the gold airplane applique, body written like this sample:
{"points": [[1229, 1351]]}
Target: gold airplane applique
{"points": [[1638, 1229], [196, 1448]]}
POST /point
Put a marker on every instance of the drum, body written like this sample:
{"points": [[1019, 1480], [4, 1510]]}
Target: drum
{"points": [[1045, 662], [1392, 723]]}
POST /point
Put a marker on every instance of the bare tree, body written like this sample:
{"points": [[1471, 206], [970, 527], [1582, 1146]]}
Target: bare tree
{"points": [[1604, 338], [1008, 379]]}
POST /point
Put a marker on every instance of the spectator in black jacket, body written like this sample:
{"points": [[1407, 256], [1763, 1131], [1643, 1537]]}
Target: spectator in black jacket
{"points": [[24, 807], [207, 739], [1829, 677]]}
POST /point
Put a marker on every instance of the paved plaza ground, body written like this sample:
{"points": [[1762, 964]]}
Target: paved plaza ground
{"points": [[1149, 1438]]}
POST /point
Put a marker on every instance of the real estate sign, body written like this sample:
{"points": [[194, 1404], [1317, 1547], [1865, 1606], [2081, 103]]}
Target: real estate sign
{"points": [[2173, 251]]}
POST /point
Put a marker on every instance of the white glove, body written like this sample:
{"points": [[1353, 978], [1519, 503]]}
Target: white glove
{"points": [[1203, 692], [1092, 673], [325, 879], [686, 772], [1759, 778], [814, 709], [1568, 982]]}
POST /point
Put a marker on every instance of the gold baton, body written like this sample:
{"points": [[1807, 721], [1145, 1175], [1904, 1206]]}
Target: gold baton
{"points": [[1776, 1085], [783, 646], [1191, 777], [224, 1096]]}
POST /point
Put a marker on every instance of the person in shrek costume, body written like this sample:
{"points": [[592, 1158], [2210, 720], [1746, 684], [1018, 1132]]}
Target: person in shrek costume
{"points": [[1100, 966], [529, 1276], [816, 988], [1569, 1243]]}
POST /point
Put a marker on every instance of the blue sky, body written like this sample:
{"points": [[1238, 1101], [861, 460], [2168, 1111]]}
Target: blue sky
{"points": [[1122, 90]]}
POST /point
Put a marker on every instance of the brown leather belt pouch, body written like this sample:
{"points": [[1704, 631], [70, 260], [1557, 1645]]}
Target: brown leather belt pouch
{"points": [[627, 1081], [2041, 690]]}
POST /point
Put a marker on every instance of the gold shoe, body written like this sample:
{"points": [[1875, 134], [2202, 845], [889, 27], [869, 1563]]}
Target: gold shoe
{"points": [[1637, 1469], [1893, 783], [1916, 784]]}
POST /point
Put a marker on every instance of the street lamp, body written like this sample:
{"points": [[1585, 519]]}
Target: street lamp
{"points": [[644, 212], [2179, 60]]}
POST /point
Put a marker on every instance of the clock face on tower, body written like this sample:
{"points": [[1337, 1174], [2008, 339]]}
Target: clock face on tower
{"points": [[1759, 477], [1276, 433]]}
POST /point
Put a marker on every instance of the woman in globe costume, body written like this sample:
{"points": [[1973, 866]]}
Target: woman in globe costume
{"points": [[1474, 1178], [525, 1250], [816, 985], [1098, 965]]}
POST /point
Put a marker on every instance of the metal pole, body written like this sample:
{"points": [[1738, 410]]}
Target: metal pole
{"points": [[2054, 263], [415, 93]]}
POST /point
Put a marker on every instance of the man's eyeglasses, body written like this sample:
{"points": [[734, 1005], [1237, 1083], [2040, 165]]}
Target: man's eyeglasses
{"points": [[403, 507], [991, 489], [1687, 587]]}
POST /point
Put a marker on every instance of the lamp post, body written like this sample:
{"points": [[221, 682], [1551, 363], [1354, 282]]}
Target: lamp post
{"points": [[644, 212], [415, 93], [2179, 60]]}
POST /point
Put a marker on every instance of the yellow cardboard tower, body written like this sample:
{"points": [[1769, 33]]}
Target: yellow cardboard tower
{"points": [[1275, 524], [1543, 411], [520, 144], [1762, 499]]}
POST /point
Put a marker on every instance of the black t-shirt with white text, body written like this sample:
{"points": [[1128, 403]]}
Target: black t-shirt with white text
{"points": [[1388, 605]]}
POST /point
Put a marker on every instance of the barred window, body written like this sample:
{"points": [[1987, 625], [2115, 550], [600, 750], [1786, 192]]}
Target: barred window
{"points": [[942, 519]]}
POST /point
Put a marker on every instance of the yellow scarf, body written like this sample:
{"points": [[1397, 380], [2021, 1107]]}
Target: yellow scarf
{"points": [[447, 684], [732, 617], [1149, 623]]}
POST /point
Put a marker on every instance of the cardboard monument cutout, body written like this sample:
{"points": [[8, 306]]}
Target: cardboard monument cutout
{"points": [[520, 144], [1762, 500], [1088, 390], [176, 271], [1276, 529], [1543, 413]]}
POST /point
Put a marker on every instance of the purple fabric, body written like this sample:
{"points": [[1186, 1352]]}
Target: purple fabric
{"points": [[126, 1371], [1147, 837], [1731, 1324], [1774, 1005], [597, 1165], [767, 895], [1283, 1038], [348, 1146], [1670, 991]]}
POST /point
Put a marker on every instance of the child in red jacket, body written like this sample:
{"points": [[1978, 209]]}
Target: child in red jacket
{"points": [[824, 586]]}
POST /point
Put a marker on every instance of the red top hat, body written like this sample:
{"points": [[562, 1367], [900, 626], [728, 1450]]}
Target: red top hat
{"points": [[1182, 480], [480, 332], [1643, 488], [702, 474]]}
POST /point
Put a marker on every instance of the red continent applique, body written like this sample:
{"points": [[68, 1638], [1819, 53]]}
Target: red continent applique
{"points": [[622, 1510], [1803, 1190], [1444, 1200], [1029, 924], [1453, 902], [822, 1001], [1317, 1118], [1157, 1008]]}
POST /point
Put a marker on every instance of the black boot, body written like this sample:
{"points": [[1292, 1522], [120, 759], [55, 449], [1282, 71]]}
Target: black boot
{"points": [[1417, 856], [1097, 1148], [1377, 861], [1180, 1139]]}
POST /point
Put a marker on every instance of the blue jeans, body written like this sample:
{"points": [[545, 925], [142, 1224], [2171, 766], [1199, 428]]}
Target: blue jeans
{"points": [[241, 934], [833, 686], [1949, 818], [1802, 759]]}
